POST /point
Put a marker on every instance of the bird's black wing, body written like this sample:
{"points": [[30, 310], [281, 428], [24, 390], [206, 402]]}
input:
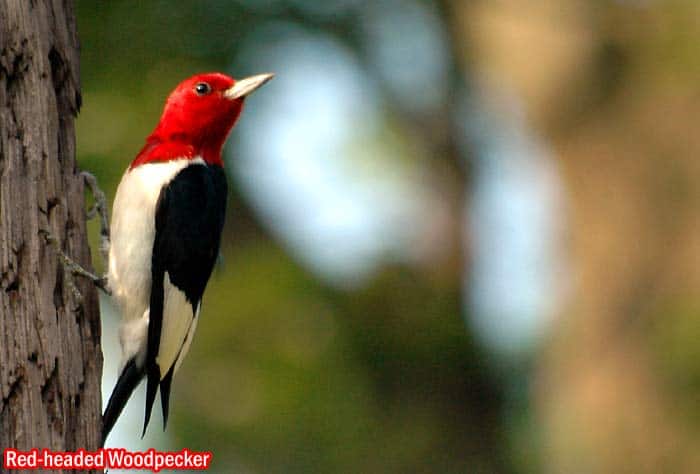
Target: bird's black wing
{"points": [[130, 377], [188, 222]]}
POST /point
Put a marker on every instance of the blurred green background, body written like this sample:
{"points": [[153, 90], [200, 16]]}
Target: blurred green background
{"points": [[462, 236]]}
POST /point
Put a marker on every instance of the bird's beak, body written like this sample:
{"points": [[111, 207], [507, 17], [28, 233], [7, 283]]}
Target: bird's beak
{"points": [[245, 86]]}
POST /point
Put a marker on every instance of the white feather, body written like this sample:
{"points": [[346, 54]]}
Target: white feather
{"points": [[188, 340], [178, 326]]}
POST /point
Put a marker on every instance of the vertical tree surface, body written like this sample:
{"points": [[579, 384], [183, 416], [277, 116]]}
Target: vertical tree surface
{"points": [[50, 358]]}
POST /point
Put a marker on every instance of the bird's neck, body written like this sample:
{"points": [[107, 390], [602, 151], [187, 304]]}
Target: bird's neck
{"points": [[158, 150]]}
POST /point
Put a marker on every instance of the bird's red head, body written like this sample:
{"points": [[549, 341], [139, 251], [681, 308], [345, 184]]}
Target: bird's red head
{"points": [[197, 117]]}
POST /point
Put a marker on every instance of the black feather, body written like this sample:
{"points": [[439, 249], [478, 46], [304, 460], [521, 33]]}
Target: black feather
{"points": [[152, 380], [188, 222], [128, 380], [165, 394]]}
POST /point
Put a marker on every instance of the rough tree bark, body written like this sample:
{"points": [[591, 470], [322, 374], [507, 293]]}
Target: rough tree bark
{"points": [[50, 357]]}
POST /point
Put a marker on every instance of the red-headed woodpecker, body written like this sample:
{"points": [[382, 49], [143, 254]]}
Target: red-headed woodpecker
{"points": [[166, 227]]}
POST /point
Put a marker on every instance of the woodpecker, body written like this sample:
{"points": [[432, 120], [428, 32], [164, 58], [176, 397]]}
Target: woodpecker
{"points": [[166, 226]]}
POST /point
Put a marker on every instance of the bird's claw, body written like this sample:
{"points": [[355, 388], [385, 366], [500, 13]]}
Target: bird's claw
{"points": [[71, 267], [99, 208]]}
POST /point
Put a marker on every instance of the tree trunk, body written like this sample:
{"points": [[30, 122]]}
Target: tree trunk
{"points": [[50, 357]]}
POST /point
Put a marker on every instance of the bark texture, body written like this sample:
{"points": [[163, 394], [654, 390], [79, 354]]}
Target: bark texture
{"points": [[50, 356]]}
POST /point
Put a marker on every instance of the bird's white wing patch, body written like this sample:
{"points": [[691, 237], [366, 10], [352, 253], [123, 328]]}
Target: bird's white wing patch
{"points": [[178, 327], [188, 340]]}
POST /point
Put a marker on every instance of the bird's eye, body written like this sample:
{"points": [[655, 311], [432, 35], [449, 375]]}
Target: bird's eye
{"points": [[202, 88]]}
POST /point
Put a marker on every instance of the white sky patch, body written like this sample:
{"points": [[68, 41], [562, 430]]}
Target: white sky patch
{"points": [[405, 41], [518, 272]]}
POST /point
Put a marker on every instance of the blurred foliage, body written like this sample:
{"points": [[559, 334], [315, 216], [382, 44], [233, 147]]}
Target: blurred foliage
{"points": [[289, 373]]}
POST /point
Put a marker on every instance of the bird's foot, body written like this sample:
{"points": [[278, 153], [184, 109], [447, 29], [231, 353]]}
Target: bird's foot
{"points": [[99, 208], [71, 268]]}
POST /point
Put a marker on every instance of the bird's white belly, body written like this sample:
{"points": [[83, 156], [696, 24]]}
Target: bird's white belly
{"points": [[131, 250]]}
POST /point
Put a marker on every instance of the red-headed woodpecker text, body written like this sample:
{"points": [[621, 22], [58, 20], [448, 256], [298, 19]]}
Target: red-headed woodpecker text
{"points": [[106, 458]]}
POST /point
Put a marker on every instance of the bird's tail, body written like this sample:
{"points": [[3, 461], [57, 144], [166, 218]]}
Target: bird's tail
{"points": [[128, 380]]}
